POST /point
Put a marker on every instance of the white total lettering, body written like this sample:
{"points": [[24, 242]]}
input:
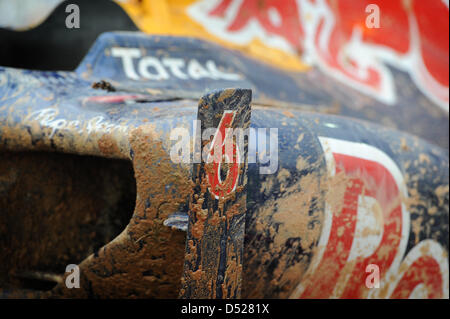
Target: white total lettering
{"points": [[175, 66], [149, 61], [152, 68]]}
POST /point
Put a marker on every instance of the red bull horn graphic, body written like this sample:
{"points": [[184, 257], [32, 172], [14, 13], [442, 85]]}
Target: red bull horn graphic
{"points": [[334, 35]]}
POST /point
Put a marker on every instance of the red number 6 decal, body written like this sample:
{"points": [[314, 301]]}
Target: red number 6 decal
{"points": [[223, 150]]}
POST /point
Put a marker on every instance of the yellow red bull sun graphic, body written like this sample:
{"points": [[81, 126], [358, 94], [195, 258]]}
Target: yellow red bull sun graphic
{"points": [[412, 35]]}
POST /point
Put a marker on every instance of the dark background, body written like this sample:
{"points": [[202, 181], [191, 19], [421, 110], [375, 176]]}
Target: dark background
{"points": [[52, 46]]}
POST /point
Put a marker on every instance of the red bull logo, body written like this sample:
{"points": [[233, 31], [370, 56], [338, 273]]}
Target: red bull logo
{"points": [[412, 36]]}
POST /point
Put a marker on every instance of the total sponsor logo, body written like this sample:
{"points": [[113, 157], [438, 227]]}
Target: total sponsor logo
{"points": [[138, 67], [413, 37], [371, 228]]}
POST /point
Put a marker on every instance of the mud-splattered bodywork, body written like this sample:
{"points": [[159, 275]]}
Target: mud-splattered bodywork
{"points": [[78, 158]]}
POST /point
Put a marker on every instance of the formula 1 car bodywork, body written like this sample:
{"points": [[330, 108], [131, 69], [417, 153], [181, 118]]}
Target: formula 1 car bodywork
{"points": [[320, 195]]}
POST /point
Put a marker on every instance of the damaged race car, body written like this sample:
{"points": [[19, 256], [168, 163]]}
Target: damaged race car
{"points": [[225, 149]]}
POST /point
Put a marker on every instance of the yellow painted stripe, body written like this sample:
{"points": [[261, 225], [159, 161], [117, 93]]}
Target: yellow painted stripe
{"points": [[169, 17]]}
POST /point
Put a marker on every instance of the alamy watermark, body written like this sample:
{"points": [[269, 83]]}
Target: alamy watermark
{"points": [[73, 279], [73, 18], [373, 279]]}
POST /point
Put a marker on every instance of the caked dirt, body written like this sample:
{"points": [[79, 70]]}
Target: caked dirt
{"points": [[146, 259]]}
